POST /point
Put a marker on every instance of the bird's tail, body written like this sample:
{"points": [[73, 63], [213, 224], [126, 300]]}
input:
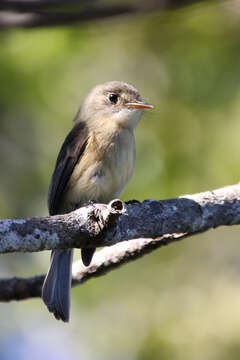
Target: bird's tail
{"points": [[56, 291]]}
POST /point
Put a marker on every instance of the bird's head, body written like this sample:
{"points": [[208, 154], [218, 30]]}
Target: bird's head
{"points": [[115, 102]]}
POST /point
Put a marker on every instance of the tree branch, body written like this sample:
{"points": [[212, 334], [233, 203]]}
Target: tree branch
{"points": [[38, 13], [104, 260], [152, 224], [84, 227]]}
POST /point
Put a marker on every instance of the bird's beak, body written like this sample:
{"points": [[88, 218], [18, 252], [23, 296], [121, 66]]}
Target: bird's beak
{"points": [[139, 105]]}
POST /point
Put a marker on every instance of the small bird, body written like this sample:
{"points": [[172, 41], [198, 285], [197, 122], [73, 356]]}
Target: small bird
{"points": [[95, 162]]}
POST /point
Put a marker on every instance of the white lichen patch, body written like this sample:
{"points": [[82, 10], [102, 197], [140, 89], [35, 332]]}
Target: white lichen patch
{"points": [[10, 241], [18, 221], [43, 235], [6, 224], [31, 241]]}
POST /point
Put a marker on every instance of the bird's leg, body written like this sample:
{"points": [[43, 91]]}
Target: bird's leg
{"points": [[87, 253]]}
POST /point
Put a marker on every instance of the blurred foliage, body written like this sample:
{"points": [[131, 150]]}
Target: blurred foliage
{"points": [[183, 301]]}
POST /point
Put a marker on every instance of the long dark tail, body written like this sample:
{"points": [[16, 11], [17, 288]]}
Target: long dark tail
{"points": [[56, 290]]}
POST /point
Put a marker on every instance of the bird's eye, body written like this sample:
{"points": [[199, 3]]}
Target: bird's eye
{"points": [[113, 98]]}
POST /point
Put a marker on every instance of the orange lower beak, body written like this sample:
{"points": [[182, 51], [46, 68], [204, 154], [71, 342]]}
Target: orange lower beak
{"points": [[140, 105]]}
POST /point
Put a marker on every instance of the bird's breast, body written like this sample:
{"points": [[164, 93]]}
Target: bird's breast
{"points": [[104, 169]]}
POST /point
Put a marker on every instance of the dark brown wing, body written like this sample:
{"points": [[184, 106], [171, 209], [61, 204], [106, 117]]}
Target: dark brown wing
{"points": [[69, 155]]}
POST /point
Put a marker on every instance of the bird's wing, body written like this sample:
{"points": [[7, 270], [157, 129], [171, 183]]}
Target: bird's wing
{"points": [[69, 155]]}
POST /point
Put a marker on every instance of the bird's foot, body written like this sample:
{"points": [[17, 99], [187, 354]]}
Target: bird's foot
{"points": [[132, 202]]}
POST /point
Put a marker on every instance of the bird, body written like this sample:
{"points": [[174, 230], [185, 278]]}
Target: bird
{"points": [[95, 163]]}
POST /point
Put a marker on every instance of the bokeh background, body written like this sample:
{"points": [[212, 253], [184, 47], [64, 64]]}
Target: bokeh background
{"points": [[183, 301]]}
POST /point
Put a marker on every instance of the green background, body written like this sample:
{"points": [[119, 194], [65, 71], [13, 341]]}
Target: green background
{"points": [[181, 302]]}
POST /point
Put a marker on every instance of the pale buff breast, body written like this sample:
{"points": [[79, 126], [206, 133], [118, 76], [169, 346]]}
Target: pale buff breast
{"points": [[104, 169]]}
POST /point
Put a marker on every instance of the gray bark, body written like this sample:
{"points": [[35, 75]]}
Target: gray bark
{"points": [[150, 225]]}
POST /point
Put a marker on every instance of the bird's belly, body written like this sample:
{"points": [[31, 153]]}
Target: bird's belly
{"points": [[109, 181], [102, 183]]}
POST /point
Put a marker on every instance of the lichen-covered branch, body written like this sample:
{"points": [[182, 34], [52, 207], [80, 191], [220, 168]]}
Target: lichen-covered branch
{"points": [[150, 225], [97, 225], [84, 227]]}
